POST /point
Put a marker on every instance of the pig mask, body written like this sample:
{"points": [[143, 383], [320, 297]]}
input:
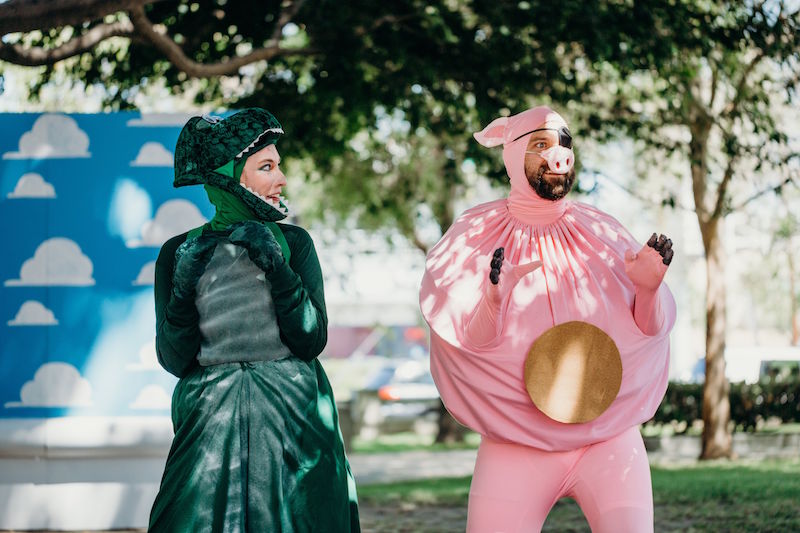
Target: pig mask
{"points": [[528, 181]]}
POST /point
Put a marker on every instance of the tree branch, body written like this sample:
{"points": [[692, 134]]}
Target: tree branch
{"points": [[733, 106], [138, 27], [774, 188], [175, 55], [29, 15], [289, 9], [639, 196], [714, 83], [722, 189], [32, 57], [386, 19], [418, 243]]}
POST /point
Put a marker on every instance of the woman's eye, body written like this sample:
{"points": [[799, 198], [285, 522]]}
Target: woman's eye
{"points": [[267, 167]]}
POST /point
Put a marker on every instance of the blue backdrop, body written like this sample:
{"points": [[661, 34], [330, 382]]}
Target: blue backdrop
{"points": [[86, 202]]}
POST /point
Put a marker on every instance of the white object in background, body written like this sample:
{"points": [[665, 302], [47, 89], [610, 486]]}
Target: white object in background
{"points": [[153, 154], [32, 185], [56, 261], [33, 313], [52, 136], [81, 473]]}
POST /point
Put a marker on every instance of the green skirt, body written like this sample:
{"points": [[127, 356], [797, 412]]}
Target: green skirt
{"points": [[257, 448]]}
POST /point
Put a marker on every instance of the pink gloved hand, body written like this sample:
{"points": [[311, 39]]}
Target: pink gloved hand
{"points": [[646, 270], [486, 323]]}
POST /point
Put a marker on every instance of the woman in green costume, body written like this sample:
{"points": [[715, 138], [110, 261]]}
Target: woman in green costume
{"points": [[240, 318]]}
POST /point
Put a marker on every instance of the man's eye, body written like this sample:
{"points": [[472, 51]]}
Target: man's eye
{"points": [[541, 144]]}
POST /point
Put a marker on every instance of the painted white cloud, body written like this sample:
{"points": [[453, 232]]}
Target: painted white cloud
{"points": [[172, 217], [147, 357], [147, 275], [160, 120], [57, 261], [32, 185], [153, 154], [52, 136], [55, 385], [33, 313], [152, 397]]}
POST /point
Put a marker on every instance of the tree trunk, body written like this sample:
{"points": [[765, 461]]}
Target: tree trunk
{"points": [[717, 441], [450, 431], [795, 320]]}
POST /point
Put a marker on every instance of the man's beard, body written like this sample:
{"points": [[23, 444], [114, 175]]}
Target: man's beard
{"points": [[547, 190]]}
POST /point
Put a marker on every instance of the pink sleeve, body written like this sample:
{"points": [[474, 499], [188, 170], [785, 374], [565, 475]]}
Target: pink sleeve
{"points": [[486, 322], [647, 312]]}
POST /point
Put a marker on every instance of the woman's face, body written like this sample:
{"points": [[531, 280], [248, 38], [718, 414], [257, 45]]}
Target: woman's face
{"points": [[262, 174]]}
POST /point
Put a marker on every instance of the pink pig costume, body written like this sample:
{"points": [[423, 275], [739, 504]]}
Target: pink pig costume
{"points": [[527, 460]]}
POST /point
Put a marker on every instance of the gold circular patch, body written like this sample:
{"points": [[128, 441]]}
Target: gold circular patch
{"points": [[573, 372]]}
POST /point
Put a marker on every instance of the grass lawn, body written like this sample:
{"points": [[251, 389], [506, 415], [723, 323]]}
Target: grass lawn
{"points": [[718, 496], [401, 442]]}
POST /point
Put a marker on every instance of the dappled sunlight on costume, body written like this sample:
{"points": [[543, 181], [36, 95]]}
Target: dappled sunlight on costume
{"points": [[241, 320], [479, 345]]}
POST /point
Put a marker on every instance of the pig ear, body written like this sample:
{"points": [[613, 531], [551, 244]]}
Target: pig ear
{"points": [[492, 135]]}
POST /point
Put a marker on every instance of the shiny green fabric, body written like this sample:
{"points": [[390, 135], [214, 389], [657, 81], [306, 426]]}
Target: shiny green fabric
{"points": [[257, 449], [257, 446]]}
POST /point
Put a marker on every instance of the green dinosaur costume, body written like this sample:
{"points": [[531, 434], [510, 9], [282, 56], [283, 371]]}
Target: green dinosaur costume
{"points": [[240, 318]]}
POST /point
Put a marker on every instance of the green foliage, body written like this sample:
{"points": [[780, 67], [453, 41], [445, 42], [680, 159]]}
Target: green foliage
{"points": [[750, 404], [728, 496], [440, 69], [713, 93], [443, 69], [440, 491], [404, 442]]}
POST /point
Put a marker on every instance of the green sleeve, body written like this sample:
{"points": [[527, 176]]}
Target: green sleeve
{"points": [[299, 296], [177, 322]]}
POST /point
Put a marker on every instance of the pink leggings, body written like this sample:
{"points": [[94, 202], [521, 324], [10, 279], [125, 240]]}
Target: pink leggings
{"points": [[514, 486]]}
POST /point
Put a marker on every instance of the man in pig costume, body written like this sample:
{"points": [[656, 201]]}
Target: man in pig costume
{"points": [[549, 337]]}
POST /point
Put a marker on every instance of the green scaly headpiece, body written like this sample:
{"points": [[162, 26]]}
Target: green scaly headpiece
{"points": [[210, 148]]}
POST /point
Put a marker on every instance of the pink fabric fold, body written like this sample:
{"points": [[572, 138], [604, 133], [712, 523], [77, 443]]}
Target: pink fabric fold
{"points": [[582, 278]]}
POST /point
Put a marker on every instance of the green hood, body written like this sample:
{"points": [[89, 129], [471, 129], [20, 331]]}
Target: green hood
{"points": [[208, 149]]}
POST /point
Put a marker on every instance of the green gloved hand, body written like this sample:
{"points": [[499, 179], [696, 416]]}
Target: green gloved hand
{"points": [[191, 259], [260, 243]]}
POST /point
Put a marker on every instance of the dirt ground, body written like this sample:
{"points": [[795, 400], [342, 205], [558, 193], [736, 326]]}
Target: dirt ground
{"points": [[412, 519], [565, 517]]}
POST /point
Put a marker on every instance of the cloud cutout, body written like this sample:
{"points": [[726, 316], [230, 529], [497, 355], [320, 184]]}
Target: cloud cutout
{"points": [[152, 397], [172, 217], [52, 136], [33, 313], [153, 154], [57, 261], [32, 185], [147, 357], [147, 275], [55, 385], [156, 120]]}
